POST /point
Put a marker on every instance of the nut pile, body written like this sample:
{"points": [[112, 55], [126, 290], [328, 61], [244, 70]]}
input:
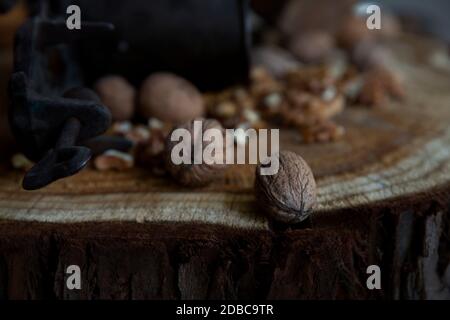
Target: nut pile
{"points": [[306, 99]]}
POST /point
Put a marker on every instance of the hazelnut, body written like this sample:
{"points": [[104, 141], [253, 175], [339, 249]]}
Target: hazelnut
{"points": [[118, 95], [170, 99], [306, 109], [289, 196], [195, 175]]}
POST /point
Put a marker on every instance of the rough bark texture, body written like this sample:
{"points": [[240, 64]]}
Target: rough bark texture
{"points": [[326, 259]]}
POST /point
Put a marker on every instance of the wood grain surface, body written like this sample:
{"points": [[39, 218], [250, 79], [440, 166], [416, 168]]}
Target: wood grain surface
{"points": [[396, 151]]}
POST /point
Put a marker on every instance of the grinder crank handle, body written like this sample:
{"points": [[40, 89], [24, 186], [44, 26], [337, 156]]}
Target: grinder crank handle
{"points": [[66, 159], [63, 161]]}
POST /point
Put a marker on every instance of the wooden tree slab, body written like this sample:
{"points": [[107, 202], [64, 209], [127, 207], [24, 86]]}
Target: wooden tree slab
{"points": [[384, 198]]}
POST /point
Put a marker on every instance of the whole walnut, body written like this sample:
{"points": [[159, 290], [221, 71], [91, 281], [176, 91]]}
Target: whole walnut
{"points": [[195, 175], [118, 95], [313, 46], [288, 196], [275, 60], [369, 54], [352, 31], [170, 98]]}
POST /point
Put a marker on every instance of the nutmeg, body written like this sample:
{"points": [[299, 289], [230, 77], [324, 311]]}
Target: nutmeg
{"points": [[170, 98], [195, 175], [118, 95], [288, 196]]}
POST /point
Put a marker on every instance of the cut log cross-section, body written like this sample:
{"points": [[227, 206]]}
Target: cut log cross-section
{"points": [[383, 199]]}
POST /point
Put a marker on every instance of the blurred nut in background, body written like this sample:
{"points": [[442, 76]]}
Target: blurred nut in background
{"points": [[312, 47], [353, 31], [300, 16], [118, 95], [369, 54], [170, 98], [380, 84], [275, 60], [195, 175]]}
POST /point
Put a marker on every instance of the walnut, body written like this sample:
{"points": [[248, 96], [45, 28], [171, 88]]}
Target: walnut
{"points": [[262, 83], [118, 95], [233, 106], [311, 79], [312, 47], [380, 84], [170, 99], [305, 109], [275, 60], [272, 104], [195, 175], [289, 196], [352, 31], [369, 54]]}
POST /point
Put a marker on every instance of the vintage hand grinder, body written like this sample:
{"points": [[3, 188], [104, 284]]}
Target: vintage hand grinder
{"points": [[53, 115]]}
